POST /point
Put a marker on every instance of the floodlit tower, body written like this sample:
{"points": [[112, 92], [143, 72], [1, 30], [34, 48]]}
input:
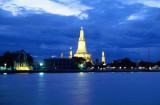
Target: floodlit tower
{"points": [[81, 51], [103, 58], [81, 43], [70, 53], [62, 55]]}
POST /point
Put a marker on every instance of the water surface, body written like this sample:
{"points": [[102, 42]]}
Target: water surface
{"points": [[140, 88]]}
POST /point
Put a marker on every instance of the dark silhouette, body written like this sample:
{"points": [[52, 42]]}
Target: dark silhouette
{"points": [[9, 58], [123, 63], [88, 65], [78, 61], [145, 64]]}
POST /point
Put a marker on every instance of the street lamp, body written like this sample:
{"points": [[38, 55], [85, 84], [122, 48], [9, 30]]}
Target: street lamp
{"points": [[41, 64], [80, 66], [5, 66]]}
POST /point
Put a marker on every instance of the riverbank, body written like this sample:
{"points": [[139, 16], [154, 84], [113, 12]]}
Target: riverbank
{"points": [[76, 71]]}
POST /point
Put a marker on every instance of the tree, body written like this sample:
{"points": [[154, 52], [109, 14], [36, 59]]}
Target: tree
{"points": [[78, 61], [30, 60], [89, 65], [126, 62], [158, 63], [8, 59]]}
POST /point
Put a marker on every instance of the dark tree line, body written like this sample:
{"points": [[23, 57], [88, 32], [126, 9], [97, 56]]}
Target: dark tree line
{"points": [[126, 62], [7, 58], [79, 61]]}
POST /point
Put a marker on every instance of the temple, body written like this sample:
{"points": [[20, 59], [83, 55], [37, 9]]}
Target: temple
{"points": [[21, 60], [70, 53], [103, 58], [61, 54], [81, 51]]}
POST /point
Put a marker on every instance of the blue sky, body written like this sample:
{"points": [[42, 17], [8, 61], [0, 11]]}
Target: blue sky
{"points": [[45, 28]]}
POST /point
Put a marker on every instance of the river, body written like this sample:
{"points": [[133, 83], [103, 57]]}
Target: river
{"points": [[138, 88]]}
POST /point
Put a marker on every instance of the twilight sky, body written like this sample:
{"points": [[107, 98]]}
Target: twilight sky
{"points": [[45, 28]]}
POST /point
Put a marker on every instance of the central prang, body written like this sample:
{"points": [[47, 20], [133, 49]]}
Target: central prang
{"points": [[81, 51]]}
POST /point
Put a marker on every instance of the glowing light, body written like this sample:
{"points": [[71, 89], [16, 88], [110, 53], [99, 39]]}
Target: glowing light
{"points": [[22, 68], [5, 66], [41, 73], [103, 59], [70, 53], [5, 73], [142, 68], [80, 66], [81, 51], [41, 64], [113, 67], [81, 74]]}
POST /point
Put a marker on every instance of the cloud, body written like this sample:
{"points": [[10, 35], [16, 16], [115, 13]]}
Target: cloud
{"points": [[149, 3], [141, 15], [132, 17], [46, 35], [61, 7]]}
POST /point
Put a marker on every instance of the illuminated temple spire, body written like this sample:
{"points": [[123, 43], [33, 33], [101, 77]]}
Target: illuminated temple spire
{"points": [[81, 43], [103, 58], [70, 53], [81, 51], [62, 55]]}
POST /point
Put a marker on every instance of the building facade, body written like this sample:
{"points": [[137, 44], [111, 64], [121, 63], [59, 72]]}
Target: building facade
{"points": [[59, 64], [21, 60]]}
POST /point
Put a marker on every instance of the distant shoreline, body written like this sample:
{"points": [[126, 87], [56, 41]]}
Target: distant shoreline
{"points": [[77, 71]]}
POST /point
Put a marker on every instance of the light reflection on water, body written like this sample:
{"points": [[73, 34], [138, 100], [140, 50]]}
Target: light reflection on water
{"points": [[41, 88], [80, 89], [41, 74], [5, 73]]}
